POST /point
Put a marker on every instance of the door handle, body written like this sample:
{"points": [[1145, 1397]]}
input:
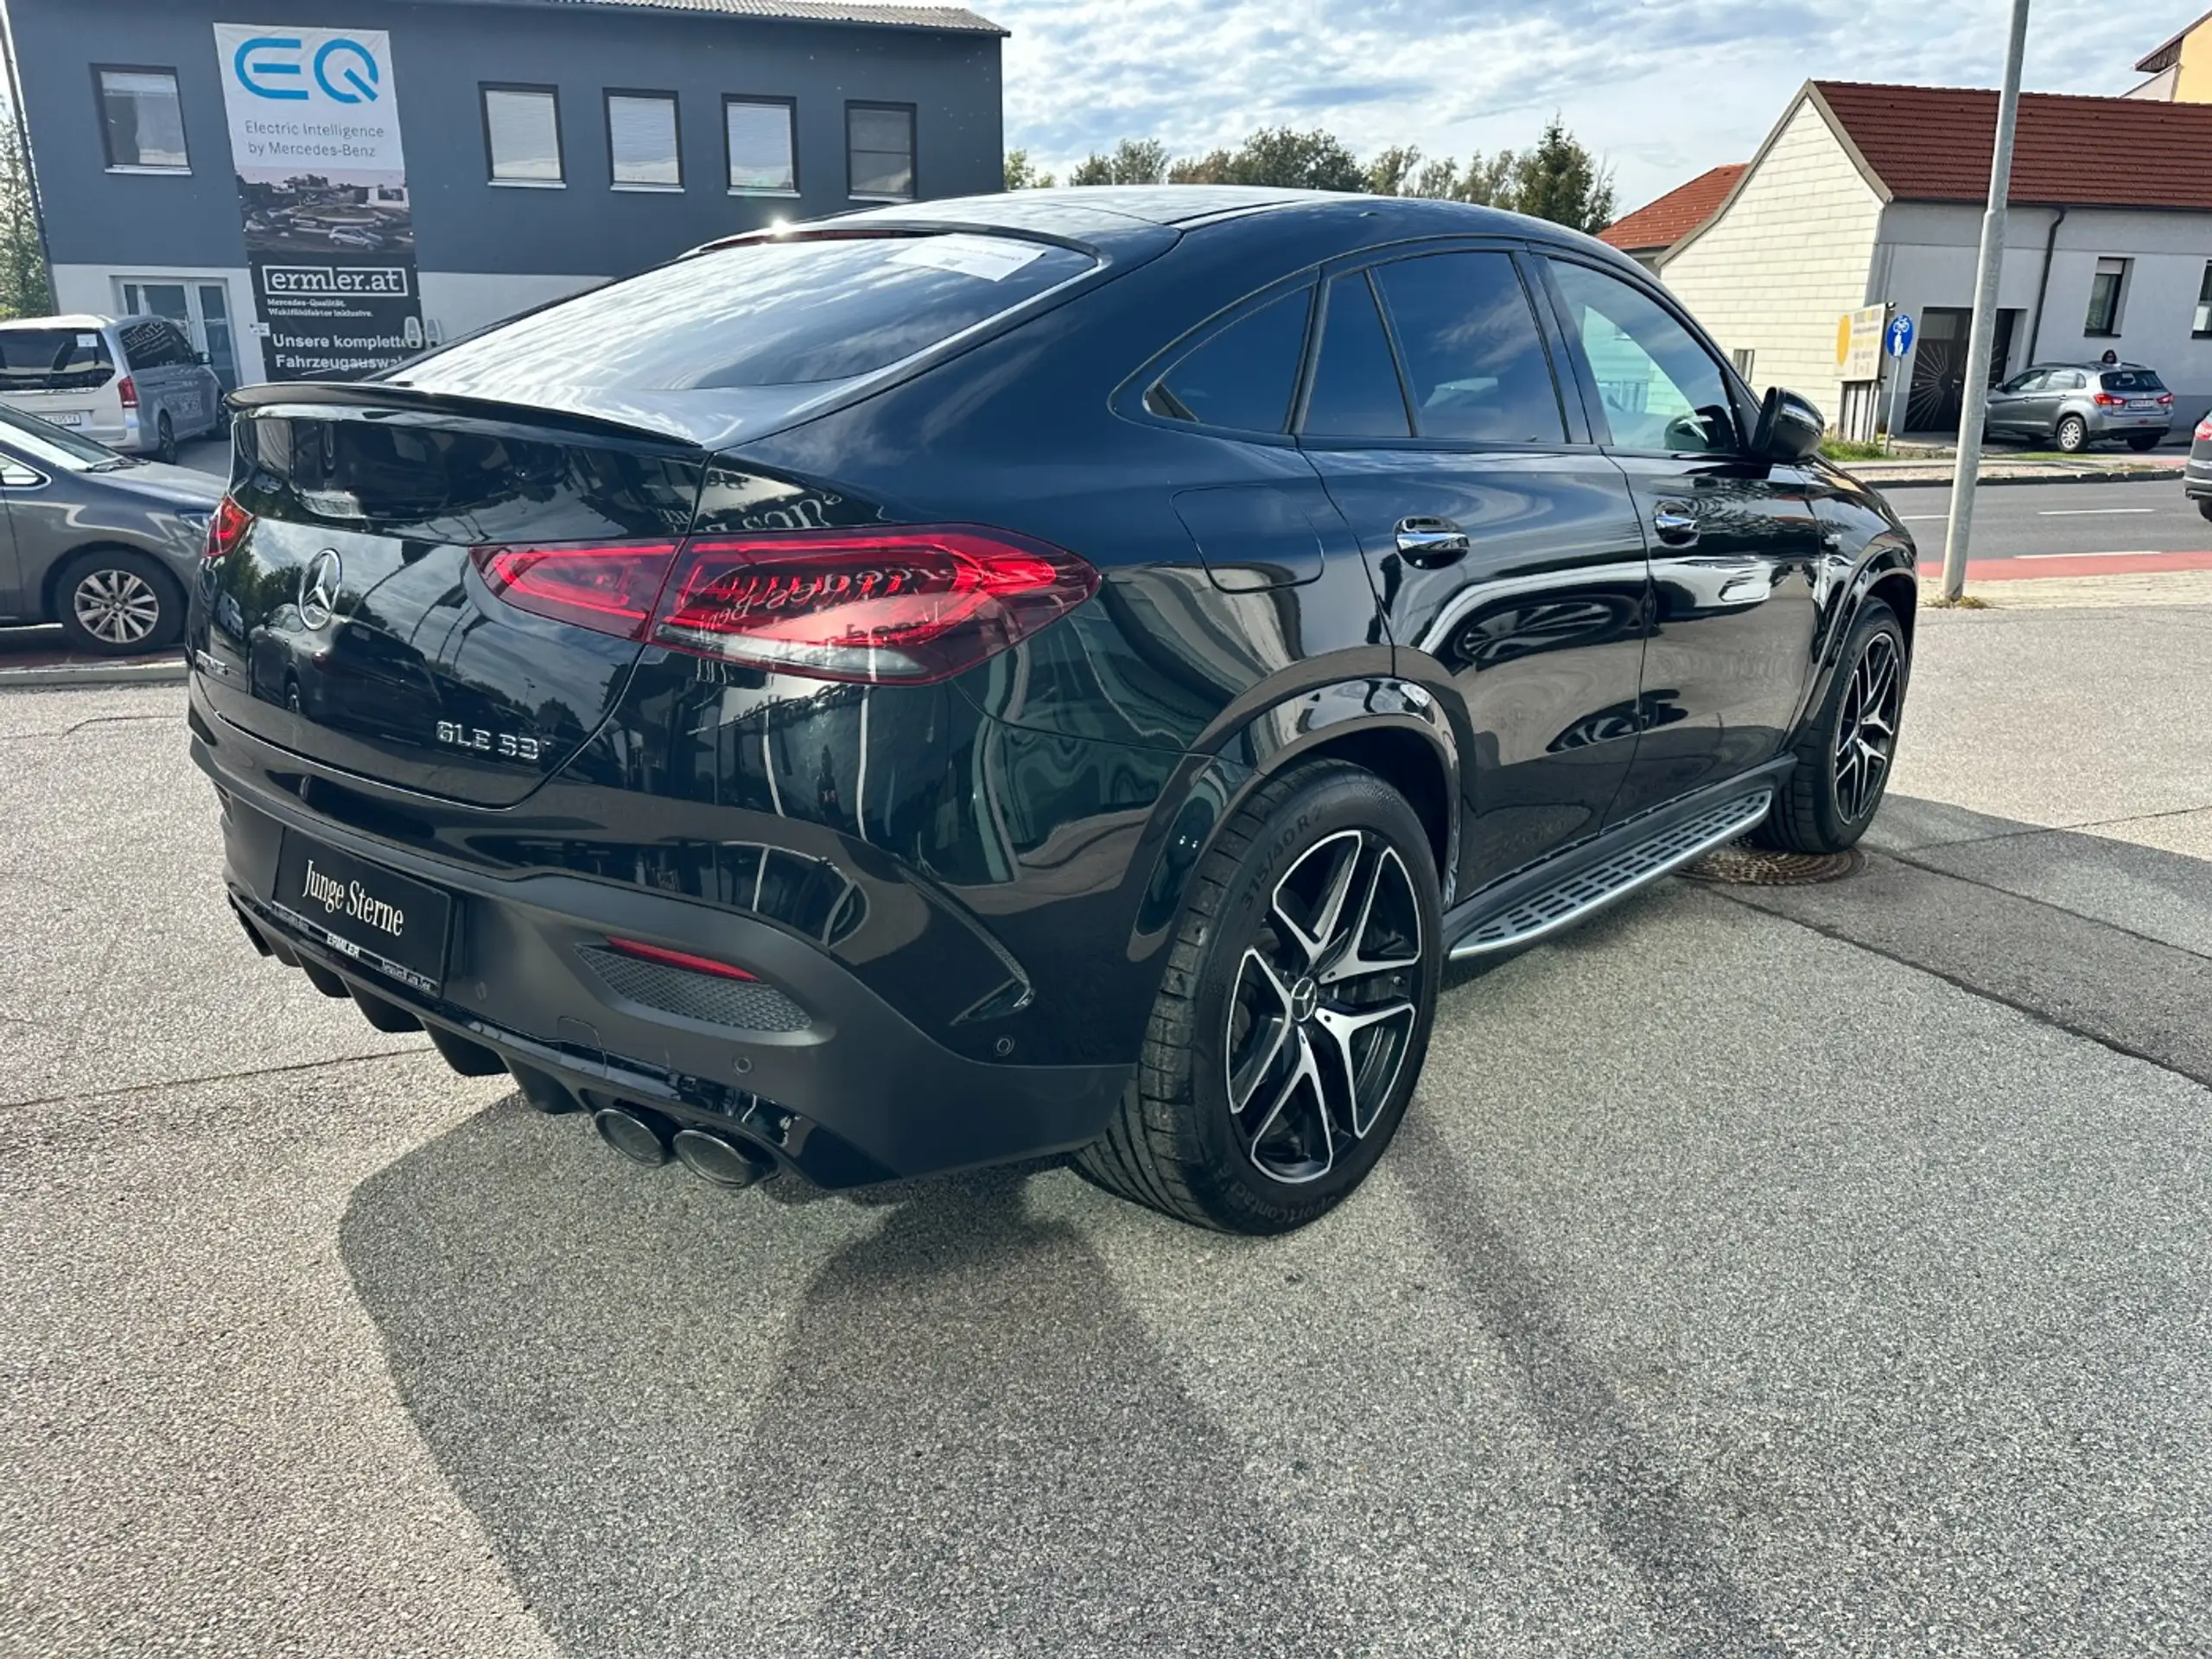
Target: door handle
{"points": [[1676, 523], [1429, 542]]}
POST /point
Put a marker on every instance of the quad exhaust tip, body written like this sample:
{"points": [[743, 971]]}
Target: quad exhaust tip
{"points": [[719, 1162]]}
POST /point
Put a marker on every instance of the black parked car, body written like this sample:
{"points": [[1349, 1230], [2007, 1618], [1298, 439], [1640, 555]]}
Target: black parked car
{"points": [[1057, 672]]}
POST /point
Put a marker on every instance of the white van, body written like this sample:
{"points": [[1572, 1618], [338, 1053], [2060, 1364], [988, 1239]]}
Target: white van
{"points": [[134, 384]]}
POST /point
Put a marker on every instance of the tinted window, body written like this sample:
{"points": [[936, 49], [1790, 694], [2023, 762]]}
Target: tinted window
{"points": [[53, 359], [760, 313], [1244, 375], [1474, 361], [2133, 380], [1662, 390], [1356, 392], [147, 345]]}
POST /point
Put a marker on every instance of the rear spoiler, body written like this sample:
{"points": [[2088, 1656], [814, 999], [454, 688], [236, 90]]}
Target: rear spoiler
{"points": [[381, 394]]}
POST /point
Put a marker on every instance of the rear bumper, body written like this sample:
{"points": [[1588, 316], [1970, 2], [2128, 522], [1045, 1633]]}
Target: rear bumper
{"points": [[859, 1095], [2129, 426], [2196, 478]]}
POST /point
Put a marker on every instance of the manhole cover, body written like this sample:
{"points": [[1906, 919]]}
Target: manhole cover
{"points": [[1742, 866]]}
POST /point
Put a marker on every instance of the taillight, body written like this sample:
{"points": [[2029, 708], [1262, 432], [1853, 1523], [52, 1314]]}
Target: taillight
{"points": [[2167, 400], [2204, 430], [127, 388], [902, 606], [610, 589], [227, 528], [684, 959], [2106, 400]]}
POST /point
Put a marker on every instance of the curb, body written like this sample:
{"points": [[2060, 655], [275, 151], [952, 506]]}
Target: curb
{"points": [[66, 674], [1911, 480]]}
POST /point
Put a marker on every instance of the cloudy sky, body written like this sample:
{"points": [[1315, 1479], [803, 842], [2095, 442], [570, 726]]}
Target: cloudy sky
{"points": [[1664, 88]]}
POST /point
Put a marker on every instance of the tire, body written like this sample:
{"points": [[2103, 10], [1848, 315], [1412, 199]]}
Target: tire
{"points": [[2073, 434], [1323, 1094], [2204, 506], [165, 442], [116, 603], [2143, 443], [1823, 806]]}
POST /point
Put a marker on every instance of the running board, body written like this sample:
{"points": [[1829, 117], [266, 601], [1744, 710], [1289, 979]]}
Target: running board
{"points": [[1597, 885]]}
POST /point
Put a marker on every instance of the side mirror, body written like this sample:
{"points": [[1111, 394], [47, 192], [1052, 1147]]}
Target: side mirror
{"points": [[1790, 428]]}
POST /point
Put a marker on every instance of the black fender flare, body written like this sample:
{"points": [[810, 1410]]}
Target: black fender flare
{"points": [[1243, 753], [1883, 559]]}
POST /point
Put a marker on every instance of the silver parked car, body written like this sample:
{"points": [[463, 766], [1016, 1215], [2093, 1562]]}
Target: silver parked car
{"points": [[2075, 404], [107, 545], [134, 384]]}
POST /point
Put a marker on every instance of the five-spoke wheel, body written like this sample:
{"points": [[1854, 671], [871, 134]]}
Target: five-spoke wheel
{"points": [[1848, 744], [1866, 731]]}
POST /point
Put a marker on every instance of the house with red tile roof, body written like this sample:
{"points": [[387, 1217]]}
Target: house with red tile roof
{"points": [[1865, 195], [1655, 228]]}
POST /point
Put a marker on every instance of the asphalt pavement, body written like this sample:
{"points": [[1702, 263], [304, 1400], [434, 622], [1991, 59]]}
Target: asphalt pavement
{"points": [[2040, 531], [1814, 1270]]}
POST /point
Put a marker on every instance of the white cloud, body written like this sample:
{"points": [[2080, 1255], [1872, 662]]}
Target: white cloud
{"points": [[1664, 89]]}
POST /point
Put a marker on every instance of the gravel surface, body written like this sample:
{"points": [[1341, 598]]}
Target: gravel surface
{"points": [[1737, 1287]]}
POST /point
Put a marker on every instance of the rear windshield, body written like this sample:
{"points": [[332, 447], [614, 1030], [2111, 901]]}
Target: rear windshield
{"points": [[53, 359], [2133, 380], [760, 314], [50, 446]]}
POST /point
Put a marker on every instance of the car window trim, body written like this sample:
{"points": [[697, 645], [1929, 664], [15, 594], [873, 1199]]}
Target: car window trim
{"points": [[1317, 331], [1739, 390]]}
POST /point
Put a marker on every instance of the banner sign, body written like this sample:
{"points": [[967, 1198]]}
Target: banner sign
{"points": [[322, 190]]}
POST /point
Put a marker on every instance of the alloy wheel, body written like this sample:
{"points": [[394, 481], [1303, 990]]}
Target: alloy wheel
{"points": [[1325, 1007], [117, 607], [1867, 727]]}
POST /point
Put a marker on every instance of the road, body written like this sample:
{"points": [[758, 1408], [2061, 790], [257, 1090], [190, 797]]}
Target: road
{"points": [[1812, 1270], [2024, 531]]}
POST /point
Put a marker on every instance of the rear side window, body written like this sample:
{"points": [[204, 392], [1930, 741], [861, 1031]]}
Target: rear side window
{"points": [[1356, 392], [1243, 377], [55, 359], [150, 345], [759, 313], [1475, 364], [2133, 380]]}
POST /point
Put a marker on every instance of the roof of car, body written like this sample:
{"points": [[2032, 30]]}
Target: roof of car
{"points": [[67, 319]]}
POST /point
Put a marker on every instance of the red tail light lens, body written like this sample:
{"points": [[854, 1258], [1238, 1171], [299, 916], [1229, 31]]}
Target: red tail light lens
{"points": [[227, 528], [127, 388], [2106, 400], [667, 958], [608, 590], [2204, 430], [891, 607], [877, 607], [2167, 400]]}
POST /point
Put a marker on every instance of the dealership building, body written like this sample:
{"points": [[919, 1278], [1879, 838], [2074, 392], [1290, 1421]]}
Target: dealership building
{"points": [[323, 186]]}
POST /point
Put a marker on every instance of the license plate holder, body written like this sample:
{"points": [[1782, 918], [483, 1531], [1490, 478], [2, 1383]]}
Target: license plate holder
{"points": [[390, 923], [70, 417]]}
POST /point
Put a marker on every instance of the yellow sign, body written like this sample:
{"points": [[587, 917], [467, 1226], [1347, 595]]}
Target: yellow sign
{"points": [[1859, 343]]}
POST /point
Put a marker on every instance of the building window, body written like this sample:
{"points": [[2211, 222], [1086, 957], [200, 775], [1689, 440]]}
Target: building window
{"points": [[142, 119], [642, 152], [1745, 358], [522, 136], [2201, 328], [762, 157], [880, 151], [2106, 290]]}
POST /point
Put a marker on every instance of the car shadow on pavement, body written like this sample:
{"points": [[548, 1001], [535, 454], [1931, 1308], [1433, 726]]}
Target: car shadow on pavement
{"points": [[693, 1424]]}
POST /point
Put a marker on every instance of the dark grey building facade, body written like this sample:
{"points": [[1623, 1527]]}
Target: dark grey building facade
{"points": [[549, 145]]}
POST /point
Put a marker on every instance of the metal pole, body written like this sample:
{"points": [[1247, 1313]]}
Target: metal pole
{"points": [[1982, 341]]}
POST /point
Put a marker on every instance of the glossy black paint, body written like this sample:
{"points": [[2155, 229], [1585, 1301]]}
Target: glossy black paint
{"points": [[971, 886]]}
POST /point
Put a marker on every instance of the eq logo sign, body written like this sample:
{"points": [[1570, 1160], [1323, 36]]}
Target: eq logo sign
{"points": [[269, 66]]}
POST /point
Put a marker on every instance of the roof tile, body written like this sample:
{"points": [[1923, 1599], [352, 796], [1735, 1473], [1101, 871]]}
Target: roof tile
{"points": [[1663, 223], [955, 18]]}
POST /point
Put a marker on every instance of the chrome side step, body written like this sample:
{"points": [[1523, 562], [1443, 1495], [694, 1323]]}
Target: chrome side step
{"points": [[1598, 885]]}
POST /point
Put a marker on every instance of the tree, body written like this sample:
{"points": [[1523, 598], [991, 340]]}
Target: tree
{"points": [[1134, 161], [23, 291], [1021, 173], [1560, 180], [1283, 157], [1399, 171]]}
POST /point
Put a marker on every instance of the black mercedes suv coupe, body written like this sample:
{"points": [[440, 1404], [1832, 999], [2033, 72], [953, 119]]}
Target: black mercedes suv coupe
{"points": [[1050, 673]]}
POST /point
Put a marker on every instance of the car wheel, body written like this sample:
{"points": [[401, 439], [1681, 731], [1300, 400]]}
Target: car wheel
{"points": [[1846, 750], [2141, 442], [119, 603], [2205, 507], [1295, 1012], [165, 442], [2073, 434]]}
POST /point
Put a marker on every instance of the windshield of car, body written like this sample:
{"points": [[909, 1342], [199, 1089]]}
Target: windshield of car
{"points": [[2133, 380], [50, 446], [757, 314], [53, 359]]}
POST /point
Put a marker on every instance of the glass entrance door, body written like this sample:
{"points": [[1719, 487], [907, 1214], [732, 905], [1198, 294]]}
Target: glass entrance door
{"points": [[202, 309]]}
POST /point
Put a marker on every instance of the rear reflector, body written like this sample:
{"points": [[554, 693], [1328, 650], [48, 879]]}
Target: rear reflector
{"points": [[667, 958], [905, 606], [227, 528]]}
